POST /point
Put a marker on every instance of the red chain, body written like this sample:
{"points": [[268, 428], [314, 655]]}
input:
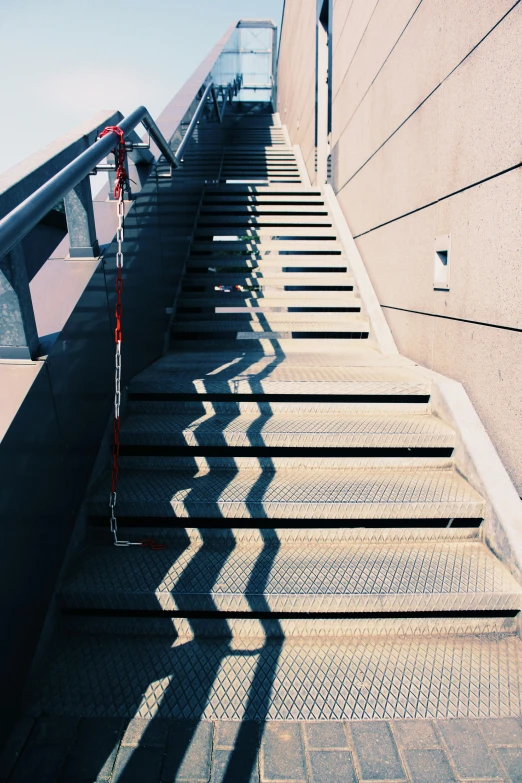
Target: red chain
{"points": [[120, 153], [121, 184]]}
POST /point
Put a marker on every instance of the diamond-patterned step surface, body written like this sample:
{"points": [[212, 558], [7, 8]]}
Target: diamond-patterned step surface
{"points": [[317, 536], [445, 677], [247, 192], [254, 303], [276, 207], [264, 235], [336, 321], [272, 344], [329, 247], [252, 377], [320, 629], [289, 494], [257, 276], [355, 355], [235, 219], [353, 323], [278, 430], [232, 409], [295, 578]]}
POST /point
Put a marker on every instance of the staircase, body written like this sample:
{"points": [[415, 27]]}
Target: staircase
{"points": [[324, 558]]}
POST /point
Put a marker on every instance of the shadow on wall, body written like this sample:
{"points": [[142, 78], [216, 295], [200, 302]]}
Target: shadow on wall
{"points": [[50, 446]]}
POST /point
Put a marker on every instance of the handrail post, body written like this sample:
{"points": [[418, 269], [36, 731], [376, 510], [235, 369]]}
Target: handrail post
{"points": [[216, 104], [18, 335], [80, 221]]}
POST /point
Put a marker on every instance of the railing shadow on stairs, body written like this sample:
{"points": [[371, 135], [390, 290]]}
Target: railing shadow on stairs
{"points": [[55, 332]]}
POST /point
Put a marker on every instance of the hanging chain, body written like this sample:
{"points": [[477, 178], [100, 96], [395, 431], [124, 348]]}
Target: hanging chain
{"points": [[121, 184]]}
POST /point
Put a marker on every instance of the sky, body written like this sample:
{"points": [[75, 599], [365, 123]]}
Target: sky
{"points": [[61, 61]]}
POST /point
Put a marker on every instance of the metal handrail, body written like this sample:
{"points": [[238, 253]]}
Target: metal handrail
{"points": [[194, 121], [23, 218]]}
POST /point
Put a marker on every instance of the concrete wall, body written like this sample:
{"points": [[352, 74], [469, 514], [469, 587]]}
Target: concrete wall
{"points": [[426, 140], [296, 76]]}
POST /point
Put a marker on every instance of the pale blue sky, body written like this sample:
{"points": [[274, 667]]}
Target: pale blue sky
{"points": [[63, 60]]}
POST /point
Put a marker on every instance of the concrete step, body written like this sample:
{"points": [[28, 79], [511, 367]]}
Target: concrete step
{"points": [[451, 576], [337, 431], [295, 679], [267, 490]]}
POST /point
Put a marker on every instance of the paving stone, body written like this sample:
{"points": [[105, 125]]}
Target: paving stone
{"points": [[327, 734], [511, 758], [428, 766], [501, 731], [135, 765], [375, 751], [468, 750], [15, 745], [282, 756], [415, 734], [233, 734], [55, 731], [332, 766], [189, 750], [94, 751], [146, 733], [230, 766], [40, 764]]}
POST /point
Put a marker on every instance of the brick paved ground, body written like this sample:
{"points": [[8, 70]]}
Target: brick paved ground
{"points": [[69, 750]]}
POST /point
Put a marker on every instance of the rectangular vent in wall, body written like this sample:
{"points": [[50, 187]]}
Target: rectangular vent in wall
{"points": [[441, 262]]}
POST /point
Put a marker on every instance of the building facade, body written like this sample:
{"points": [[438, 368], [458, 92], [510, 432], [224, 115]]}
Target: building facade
{"points": [[415, 105]]}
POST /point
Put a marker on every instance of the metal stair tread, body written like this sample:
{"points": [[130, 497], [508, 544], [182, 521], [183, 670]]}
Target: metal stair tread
{"points": [[313, 222], [249, 315], [351, 323], [317, 493], [252, 276], [325, 578], [294, 679], [332, 430], [302, 536], [253, 377], [268, 246], [269, 263]]}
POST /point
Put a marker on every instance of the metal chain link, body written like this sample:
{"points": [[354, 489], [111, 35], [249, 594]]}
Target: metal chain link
{"points": [[120, 186], [117, 377]]}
